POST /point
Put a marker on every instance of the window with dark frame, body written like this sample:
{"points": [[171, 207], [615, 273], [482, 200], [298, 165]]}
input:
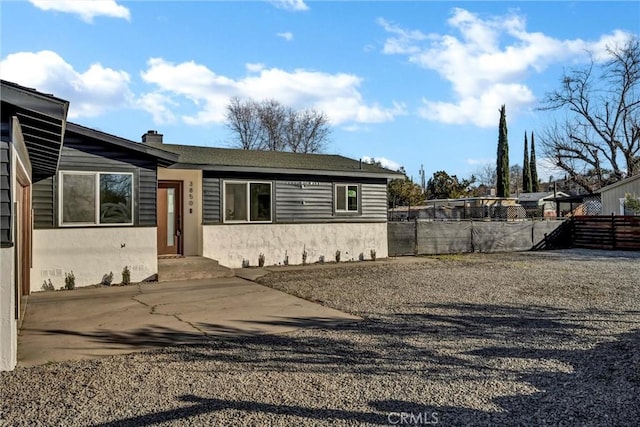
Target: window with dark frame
{"points": [[346, 198], [96, 198], [246, 201]]}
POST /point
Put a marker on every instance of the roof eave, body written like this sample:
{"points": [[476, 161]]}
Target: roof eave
{"points": [[166, 158], [288, 171]]}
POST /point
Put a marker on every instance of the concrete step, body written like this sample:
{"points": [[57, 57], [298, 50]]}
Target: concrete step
{"points": [[191, 267]]}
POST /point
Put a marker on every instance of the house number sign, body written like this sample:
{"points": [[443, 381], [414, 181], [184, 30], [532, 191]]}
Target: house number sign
{"points": [[190, 196]]}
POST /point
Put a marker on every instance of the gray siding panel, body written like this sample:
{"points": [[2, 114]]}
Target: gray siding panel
{"points": [[303, 202], [43, 203], [374, 201], [147, 192], [5, 194], [304, 199], [212, 200]]}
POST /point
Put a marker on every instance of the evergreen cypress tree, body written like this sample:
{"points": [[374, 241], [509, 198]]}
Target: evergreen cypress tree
{"points": [[533, 169], [526, 168], [502, 169]]}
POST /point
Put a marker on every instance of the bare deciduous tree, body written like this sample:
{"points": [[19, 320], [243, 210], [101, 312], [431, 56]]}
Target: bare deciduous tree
{"points": [[269, 125], [599, 140], [243, 121]]}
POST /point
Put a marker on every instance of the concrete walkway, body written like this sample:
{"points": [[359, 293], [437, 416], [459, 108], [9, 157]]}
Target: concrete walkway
{"points": [[89, 323]]}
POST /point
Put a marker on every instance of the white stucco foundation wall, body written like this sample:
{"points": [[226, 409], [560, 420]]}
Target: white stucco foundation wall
{"points": [[91, 253], [231, 244], [8, 322]]}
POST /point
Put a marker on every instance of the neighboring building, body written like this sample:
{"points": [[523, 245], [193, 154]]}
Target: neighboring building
{"points": [[74, 199], [540, 203], [489, 207], [613, 196]]}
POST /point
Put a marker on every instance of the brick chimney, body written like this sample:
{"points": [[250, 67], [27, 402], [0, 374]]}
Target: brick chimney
{"points": [[152, 136]]}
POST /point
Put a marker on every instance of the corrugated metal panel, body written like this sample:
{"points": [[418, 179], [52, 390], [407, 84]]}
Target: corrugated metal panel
{"points": [[211, 200], [611, 198], [374, 201], [5, 194], [300, 201]]}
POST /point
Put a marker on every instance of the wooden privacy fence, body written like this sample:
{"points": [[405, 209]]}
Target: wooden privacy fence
{"points": [[606, 232]]}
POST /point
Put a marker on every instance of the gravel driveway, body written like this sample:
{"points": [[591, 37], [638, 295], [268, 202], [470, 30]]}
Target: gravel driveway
{"points": [[547, 338]]}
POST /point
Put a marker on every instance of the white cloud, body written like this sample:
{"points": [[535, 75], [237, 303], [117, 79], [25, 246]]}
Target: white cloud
{"points": [[481, 162], [546, 168], [255, 67], [486, 61], [159, 106], [336, 95], [90, 93], [292, 5], [386, 163], [288, 36], [85, 9]]}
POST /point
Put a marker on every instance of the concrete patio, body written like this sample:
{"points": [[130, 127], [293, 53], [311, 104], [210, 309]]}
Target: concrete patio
{"points": [[97, 322]]}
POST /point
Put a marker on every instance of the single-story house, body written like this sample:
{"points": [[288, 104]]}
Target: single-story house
{"points": [[80, 200], [541, 201], [31, 137], [613, 196]]}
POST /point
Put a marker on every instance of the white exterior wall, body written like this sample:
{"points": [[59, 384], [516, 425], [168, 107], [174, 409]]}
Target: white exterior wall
{"points": [[191, 206], [91, 253], [8, 322], [230, 244]]}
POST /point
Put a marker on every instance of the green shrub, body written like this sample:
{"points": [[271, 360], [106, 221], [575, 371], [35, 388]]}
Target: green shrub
{"points": [[69, 281], [126, 276], [48, 286]]}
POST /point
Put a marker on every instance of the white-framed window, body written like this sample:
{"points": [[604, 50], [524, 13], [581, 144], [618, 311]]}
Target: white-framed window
{"points": [[247, 201], [347, 198], [95, 198]]}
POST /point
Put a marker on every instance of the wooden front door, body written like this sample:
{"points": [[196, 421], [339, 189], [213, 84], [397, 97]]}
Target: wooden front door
{"points": [[23, 226], [169, 204]]}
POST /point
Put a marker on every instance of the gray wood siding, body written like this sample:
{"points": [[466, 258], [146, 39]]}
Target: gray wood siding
{"points": [[211, 200], [147, 193], [43, 203], [91, 156], [5, 194], [303, 202], [304, 199], [374, 201]]}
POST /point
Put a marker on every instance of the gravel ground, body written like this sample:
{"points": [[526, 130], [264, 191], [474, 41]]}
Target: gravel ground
{"points": [[544, 338]]}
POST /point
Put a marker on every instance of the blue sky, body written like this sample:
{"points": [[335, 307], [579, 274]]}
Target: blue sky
{"points": [[409, 83]]}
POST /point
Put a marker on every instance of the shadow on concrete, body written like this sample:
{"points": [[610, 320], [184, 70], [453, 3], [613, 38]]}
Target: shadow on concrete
{"points": [[601, 385]]}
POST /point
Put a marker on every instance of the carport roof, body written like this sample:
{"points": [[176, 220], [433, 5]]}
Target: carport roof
{"points": [[42, 119]]}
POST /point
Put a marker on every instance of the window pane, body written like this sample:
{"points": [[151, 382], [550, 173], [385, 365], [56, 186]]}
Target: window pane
{"points": [[78, 198], [116, 199], [235, 202], [171, 216], [352, 198], [341, 198], [260, 202]]}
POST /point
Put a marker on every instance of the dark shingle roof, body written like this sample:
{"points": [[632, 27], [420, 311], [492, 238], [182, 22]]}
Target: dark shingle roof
{"points": [[213, 158]]}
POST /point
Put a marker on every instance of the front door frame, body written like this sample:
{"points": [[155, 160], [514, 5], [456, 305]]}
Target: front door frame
{"points": [[179, 222]]}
